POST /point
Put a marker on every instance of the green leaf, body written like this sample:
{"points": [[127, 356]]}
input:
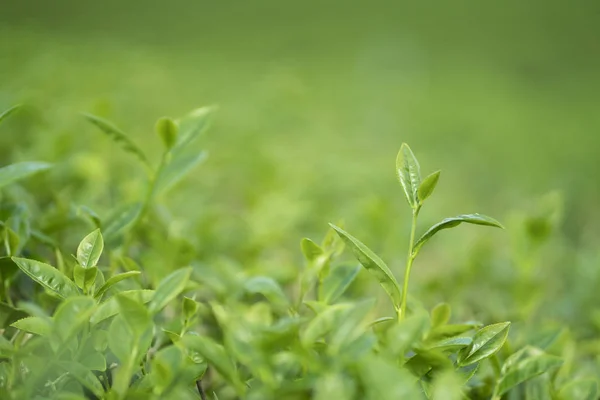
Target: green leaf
{"points": [[311, 250], [90, 249], [11, 241], [167, 130], [336, 386], [47, 276], [121, 340], [121, 220], [166, 366], [373, 264], [269, 289], [118, 136], [110, 307], [94, 361], [476, 219], [585, 389], [407, 333], [84, 277], [427, 186], [216, 356], [14, 172], [72, 315], [194, 124], [176, 169], [189, 308], [323, 323], [36, 325], [134, 314], [451, 344], [440, 315], [4, 114], [409, 174], [486, 342], [527, 369], [113, 281], [383, 380], [447, 385], [337, 282], [85, 377], [169, 288]]}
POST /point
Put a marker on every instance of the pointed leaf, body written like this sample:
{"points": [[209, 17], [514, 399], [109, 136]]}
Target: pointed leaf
{"points": [[336, 283], [4, 114], [409, 174], [71, 316], [476, 219], [169, 288], [451, 344], [527, 369], [85, 377], [90, 249], [310, 249], [427, 186], [268, 288], [118, 136], [14, 172], [487, 341], [192, 125], [84, 277], [113, 281], [36, 325], [110, 307], [373, 264], [48, 276], [176, 169], [134, 314], [323, 323], [121, 220], [440, 315]]}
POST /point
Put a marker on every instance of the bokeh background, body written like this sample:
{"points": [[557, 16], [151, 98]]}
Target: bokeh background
{"points": [[315, 98]]}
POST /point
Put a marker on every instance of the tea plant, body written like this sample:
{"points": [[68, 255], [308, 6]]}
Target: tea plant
{"points": [[102, 325]]}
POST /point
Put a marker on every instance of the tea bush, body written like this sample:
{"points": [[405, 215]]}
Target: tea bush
{"points": [[142, 310]]}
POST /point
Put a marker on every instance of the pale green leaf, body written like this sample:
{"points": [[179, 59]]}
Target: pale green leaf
{"points": [[527, 369], [15, 172], [428, 186], [486, 342], [585, 389], [169, 288], [373, 264], [192, 125], [409, 174], [167, 130], [176, 169], [110, 307], [90, 249], [4, 114], [269, 288], [337, 282], [134, 314], [113, 281], [440, 315], [72, 315], [84, 376], [121, 220]]}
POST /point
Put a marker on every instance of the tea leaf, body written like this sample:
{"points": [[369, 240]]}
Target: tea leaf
{"points": [[118, 136], [121, 220], [36, 325], [192, 125], [72, 315], [84, 277], [14, 172], [527, 369], [336, 283], [268, 288], [169, 288], [84, 376], [451, 344], [189, 308], [373, 264], [90, 249], [4, 114], [440, 315], [487, 341], [113, 281], [47, 276], [447, 385], [134, 314], [476, 219], [585, 389], [427, 186], [323, 323], [167, 130], [310, 250], [409, 174], [176, 169], [110, 307]]}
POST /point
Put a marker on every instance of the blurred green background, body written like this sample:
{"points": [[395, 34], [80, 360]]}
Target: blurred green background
{"points": [[315, 98]]}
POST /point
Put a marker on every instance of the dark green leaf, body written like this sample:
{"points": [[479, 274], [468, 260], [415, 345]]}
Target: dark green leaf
{"points": [[90, 249], [169, 288], [14, 172], [486, 342], [373, 264], [47, 276], [113, 281], [476, 219], [167, 130], [336, 283], [118, 136], [427, 186], [409, 174], [527, 369]]}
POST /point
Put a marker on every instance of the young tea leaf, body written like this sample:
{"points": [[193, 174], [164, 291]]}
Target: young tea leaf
{"points": [[134, 314], [121, 220], [110, 307], [193, 124], [373, 264], [118, 136], [427, 186], [85, 377], [585, 389], [476, 219], [440, 315], [90, 249], [47, 276], [71, 316], [84, 277], [176, 169], [169, 288], [167, 130], [113, 281], [486, 342], [269, 288], [336, 283], [409, 174], [527, 369], [36, 325], [14, 172]]}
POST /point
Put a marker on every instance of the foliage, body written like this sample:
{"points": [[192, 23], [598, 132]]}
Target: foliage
{"points": [[138, 312]]}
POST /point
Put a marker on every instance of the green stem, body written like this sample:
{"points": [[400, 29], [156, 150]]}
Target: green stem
{"points": [[409, 261]]}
